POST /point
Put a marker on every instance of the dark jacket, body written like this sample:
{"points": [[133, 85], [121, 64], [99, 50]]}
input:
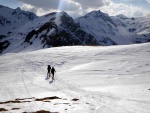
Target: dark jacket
{"points": [[48, 68], [53, 70]]}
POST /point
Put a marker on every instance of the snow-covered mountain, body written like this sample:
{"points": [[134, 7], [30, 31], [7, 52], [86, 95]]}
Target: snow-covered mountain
{"points": [[51, 30], [60, 30], [137, 28], [116, 30], [12, 19], [24, 31], [100, 25]]}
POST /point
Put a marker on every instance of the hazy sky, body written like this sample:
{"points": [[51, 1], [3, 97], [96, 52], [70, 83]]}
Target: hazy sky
{"points": [[130, 8]]}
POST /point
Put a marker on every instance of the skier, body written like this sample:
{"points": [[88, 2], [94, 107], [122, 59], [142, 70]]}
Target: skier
{"points": [[48, 71], [53, 72]]}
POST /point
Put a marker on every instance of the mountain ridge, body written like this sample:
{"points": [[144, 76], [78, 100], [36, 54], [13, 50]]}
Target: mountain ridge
{"points": [[60, 29]]}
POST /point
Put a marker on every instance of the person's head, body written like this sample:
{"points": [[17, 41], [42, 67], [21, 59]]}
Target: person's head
{"points": [[49, 66]]}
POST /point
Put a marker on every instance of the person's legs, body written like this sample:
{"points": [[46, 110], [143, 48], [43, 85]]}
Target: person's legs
{"points": [[47, 74], [52, 76]]}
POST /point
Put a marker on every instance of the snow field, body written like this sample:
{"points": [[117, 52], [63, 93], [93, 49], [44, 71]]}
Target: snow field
{"points": [[111, 79]]}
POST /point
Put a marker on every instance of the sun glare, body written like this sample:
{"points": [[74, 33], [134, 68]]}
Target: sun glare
{"points": [[60, 6], [59, 9]]}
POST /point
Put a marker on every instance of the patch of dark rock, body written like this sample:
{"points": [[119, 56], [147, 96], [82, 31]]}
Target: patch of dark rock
{"points": [[4, 45], [15, 108], [65, 103], [47, 98], [3, 109], [2, 36], [11, 101], [56, 104], [46, 101], [132, 30], [48, 25], [19, 99], [74, 99], [41, 111]]}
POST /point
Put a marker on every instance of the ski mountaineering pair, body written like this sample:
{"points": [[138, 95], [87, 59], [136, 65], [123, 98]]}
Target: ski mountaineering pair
{"points": [[50, 71]]}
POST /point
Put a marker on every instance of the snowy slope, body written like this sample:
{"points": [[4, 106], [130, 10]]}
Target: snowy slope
{"points": [[112, 79]]}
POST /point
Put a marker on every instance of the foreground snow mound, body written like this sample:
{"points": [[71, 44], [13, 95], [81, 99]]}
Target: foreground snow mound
{"points": [[89, 79]]}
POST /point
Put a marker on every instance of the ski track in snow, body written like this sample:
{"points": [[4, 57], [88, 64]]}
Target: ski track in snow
{"points": [[74, 64]]}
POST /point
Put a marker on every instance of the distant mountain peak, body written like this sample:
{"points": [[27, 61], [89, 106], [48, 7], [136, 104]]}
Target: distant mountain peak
{"points": [[18, 9], [12, 19], [1, 6], [121, 16], [96, 14]]}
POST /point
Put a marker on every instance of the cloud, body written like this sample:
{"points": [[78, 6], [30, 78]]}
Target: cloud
{"points": [[148, 1], [138, 13], [128, 0], [73, 7], [44, 4], [67, 4], [127, 10], [38, 11], [92, 4], [41, 7], [77, 8]]}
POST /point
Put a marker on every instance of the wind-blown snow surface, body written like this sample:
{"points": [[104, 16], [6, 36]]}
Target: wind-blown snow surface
{"points": [[113, 79]]}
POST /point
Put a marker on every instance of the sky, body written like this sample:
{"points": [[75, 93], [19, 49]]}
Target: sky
{"points": [[76, 8]]}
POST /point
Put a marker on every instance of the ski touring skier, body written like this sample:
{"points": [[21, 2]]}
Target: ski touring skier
{"points": [[53, 72], [48, 71]]}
